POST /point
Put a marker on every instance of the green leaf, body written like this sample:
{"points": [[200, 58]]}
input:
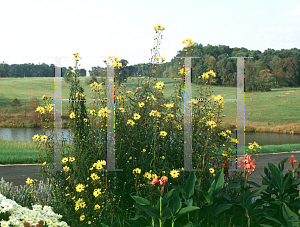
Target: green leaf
{"points": [[256, 192], [295, 182], [288, 213], [221, 208], [187, 210], [141, 200], [281, 164], [189, 202], [272, 219], [253, 183], [174, 205], [165, 199], [217, 183], [137, 217], [149, 210], [208, 197], [190, 185], [233, 185], [266, 171], [277, 175], [166, 214]]}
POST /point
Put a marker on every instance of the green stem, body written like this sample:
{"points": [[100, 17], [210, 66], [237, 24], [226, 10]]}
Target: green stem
{"points": [[160, 211]]}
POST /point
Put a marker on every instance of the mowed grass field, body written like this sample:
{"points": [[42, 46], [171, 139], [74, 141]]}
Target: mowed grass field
{"points": [[276, 111]]}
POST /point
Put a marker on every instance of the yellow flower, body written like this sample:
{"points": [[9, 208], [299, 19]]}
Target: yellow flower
{"points": [[80, 187], [94, 176], [154, 98], [179, 127], [76, 55], [71, 159], [137, 116], [251, 147], [122, 109], [147, 175], [82, 217], [211, 170], [36, 138], [163, 157], [29, 181], [162, 59], [141, 104], [144, 150], [85, 119], [137, 170], [224, 154], [97, 207], [44, 163], [154, 176], [174, 173], [157, 58], [97, 192], [65, 160], [72, 115], [43, 97], [163, 133], [130, 122], [158, 27], [44, 138]]}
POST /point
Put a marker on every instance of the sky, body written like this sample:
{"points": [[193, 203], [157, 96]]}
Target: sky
{"points": [[35, 31]]}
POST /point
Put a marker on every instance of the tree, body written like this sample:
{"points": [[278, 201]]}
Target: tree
{"points": [[290, 72], [276, 68]]}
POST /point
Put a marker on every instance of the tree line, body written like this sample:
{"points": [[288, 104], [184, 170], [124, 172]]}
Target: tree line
{"points": [[266, 70]]}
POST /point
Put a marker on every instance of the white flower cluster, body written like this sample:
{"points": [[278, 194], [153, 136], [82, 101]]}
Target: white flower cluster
{"points": [[19, 214]]}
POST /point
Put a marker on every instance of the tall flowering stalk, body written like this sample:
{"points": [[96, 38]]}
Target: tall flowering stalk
{"points": [[248, 165], [292, 161]]}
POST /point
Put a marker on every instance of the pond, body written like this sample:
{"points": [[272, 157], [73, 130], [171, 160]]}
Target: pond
{"points": [[26, 134]]}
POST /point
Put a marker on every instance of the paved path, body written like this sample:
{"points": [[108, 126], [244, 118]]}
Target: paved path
{"points": [[18, 174]]}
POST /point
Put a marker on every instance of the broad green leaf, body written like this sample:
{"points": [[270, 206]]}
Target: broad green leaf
{"points": [[253, 183], [217, 184], [272, 219], [141, 200], [190, 185], [149, 210], [137, 217], [266, 171], [165, 199], [221, 208], [232, 185], [277, 175], [189, 202], [295, 182], [288, 213], [166, 214], [281, 164], [174, 205], [208, 197], [186, 210], [256, 192]]}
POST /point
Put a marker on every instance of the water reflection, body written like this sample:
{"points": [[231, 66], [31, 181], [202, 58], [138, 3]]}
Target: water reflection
{"points": [[26, 134]]}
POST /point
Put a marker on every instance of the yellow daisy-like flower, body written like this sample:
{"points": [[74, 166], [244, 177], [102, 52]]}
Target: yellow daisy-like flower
{"points": [[49, 107], [137, 170], [163, 157], [129, 92], [179, 127], [130, 122], [92, 112], [174, 173], [72, 115], [29, 181], [71, 159], [212, 124], [141, 104], [162, 59], [163, 133], [154, 176], [97, 207], [85, 119], [65, 160], [212, 73], [76, 55], [147, 175], [97, 192], [169, 105], [144, 150], [44, 138], [205, 76], [224, 154], [94, 176], [36, 138], [43, 97], [228, 131], [154, 98], [80, 187], [159, 85], [82, 217], [158, 27], [122, 109], [44, 163], [66, 168], [137, 116], [181, 71], [211, 170], [251, 147]]}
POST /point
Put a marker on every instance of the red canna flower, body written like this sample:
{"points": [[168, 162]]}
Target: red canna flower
{"points": [[162, 182], [155, 180], [247, 163], [292, 160]]}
